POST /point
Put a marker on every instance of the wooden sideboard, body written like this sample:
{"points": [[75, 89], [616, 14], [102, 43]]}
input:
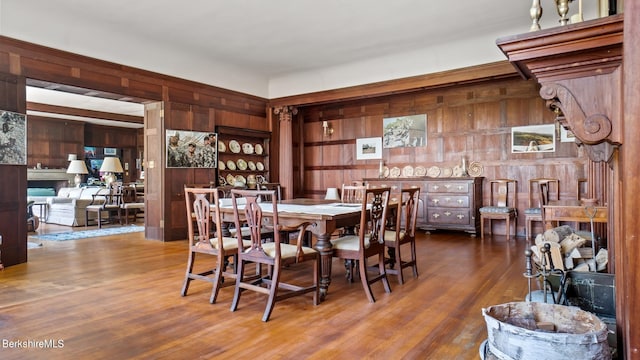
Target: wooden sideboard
{"points": [[445, 203]]}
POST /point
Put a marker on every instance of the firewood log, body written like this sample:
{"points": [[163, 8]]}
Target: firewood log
{"points": [[557, 234]]}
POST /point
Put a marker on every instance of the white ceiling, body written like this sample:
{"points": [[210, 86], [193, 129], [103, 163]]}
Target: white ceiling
{"points": [[278, 48]]}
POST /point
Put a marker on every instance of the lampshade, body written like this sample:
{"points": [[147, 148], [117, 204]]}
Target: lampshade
{"points": [[111, 165], [332, 194], [72, 157], [77, 167]]}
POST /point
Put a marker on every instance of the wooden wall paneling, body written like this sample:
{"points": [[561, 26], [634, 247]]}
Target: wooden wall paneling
{"points": [[13, 202], [473, 121], [154, 157]]}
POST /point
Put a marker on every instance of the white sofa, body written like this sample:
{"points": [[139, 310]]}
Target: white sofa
{"points": [[68, 207]]}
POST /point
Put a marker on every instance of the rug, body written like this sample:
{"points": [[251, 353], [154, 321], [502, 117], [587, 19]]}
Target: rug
{"points": [[75, 235]]}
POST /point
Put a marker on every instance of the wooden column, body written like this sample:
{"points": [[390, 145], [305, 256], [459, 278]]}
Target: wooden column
{"points": [[285, 157], [628, 234]]}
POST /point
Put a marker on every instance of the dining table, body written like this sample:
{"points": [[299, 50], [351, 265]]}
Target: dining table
{"points": [[325, 217]]}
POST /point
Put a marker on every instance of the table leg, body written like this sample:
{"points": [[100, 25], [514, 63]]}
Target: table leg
{"points": [[326, 256]]}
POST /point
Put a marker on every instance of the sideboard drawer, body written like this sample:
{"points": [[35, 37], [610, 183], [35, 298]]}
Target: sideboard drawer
{"points": [[448, 187], [448, 200]]}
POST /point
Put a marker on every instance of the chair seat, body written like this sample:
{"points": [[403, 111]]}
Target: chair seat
{"points": [[390, 235], [228, 243], [246, 232], [287, 251], [132, 206], [496, 210], [533, 211], [349, 242]]}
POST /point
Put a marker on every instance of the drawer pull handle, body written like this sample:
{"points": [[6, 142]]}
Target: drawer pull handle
{"points": [[436, 201], [436, 187], [460, 201], [460, 187], [460, 216], [447, 186], [447, 213], [447, 199], [436, 215], [394, 187]]}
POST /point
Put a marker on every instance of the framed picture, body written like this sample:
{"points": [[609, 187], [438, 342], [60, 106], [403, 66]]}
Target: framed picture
{"points": [[110, 151], [13, 138], [533, 138], [566, 135], [405, 131], [191, 149], [369, 148], [89, 152]]}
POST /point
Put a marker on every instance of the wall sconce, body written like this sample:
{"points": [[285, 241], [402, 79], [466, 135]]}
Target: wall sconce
{"points": [[327, 130]]}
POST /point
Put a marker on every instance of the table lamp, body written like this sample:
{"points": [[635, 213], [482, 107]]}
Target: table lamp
{"points": [[332, 194], [79, 168], [110, 166]]}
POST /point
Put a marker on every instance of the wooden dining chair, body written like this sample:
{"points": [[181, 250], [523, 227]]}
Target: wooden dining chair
{"points": [[205, 237], [130, 204], [541, 191], [107, 201], [275, 255], [369, 241], [502, 197], [352, 193], [403, 231]]}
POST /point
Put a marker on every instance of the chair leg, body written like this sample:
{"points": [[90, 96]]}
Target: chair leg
{"points": [[414, 259], [217, 274], [273, 293], [481, 227], [187, 278], [236, 293], [364, 278], [399, 262], [383, 272]]}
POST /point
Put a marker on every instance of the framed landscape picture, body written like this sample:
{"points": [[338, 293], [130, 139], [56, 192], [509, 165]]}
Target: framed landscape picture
{"points": [[405, 131], [13, 138], [533, 138], [369, 148], [191, 149]]}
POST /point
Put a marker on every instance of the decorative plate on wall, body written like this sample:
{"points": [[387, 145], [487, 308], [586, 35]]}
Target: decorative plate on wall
{"points": [[433, 171], [259, 149], [221, 165], [394, 172], [221, 146], [259, 166], [385, 172], [446, 172], [247, 148], [231, 179], [251, 165], [231, 165], [241, 179], [474, 169], [407, 171], [242, 165], [420, 171], [234, 146]]}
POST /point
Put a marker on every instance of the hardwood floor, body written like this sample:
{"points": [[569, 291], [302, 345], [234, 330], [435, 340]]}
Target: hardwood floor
{"points": [[118, 297]]}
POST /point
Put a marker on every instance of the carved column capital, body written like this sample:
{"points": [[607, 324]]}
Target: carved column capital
{"points": [[286, 112]]}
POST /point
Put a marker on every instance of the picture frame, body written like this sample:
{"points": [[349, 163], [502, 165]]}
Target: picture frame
{"points": [[533, 138], [405, 131], [191, 149], [369, 148], [13, 138], [110, 151], [566, 135]]}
